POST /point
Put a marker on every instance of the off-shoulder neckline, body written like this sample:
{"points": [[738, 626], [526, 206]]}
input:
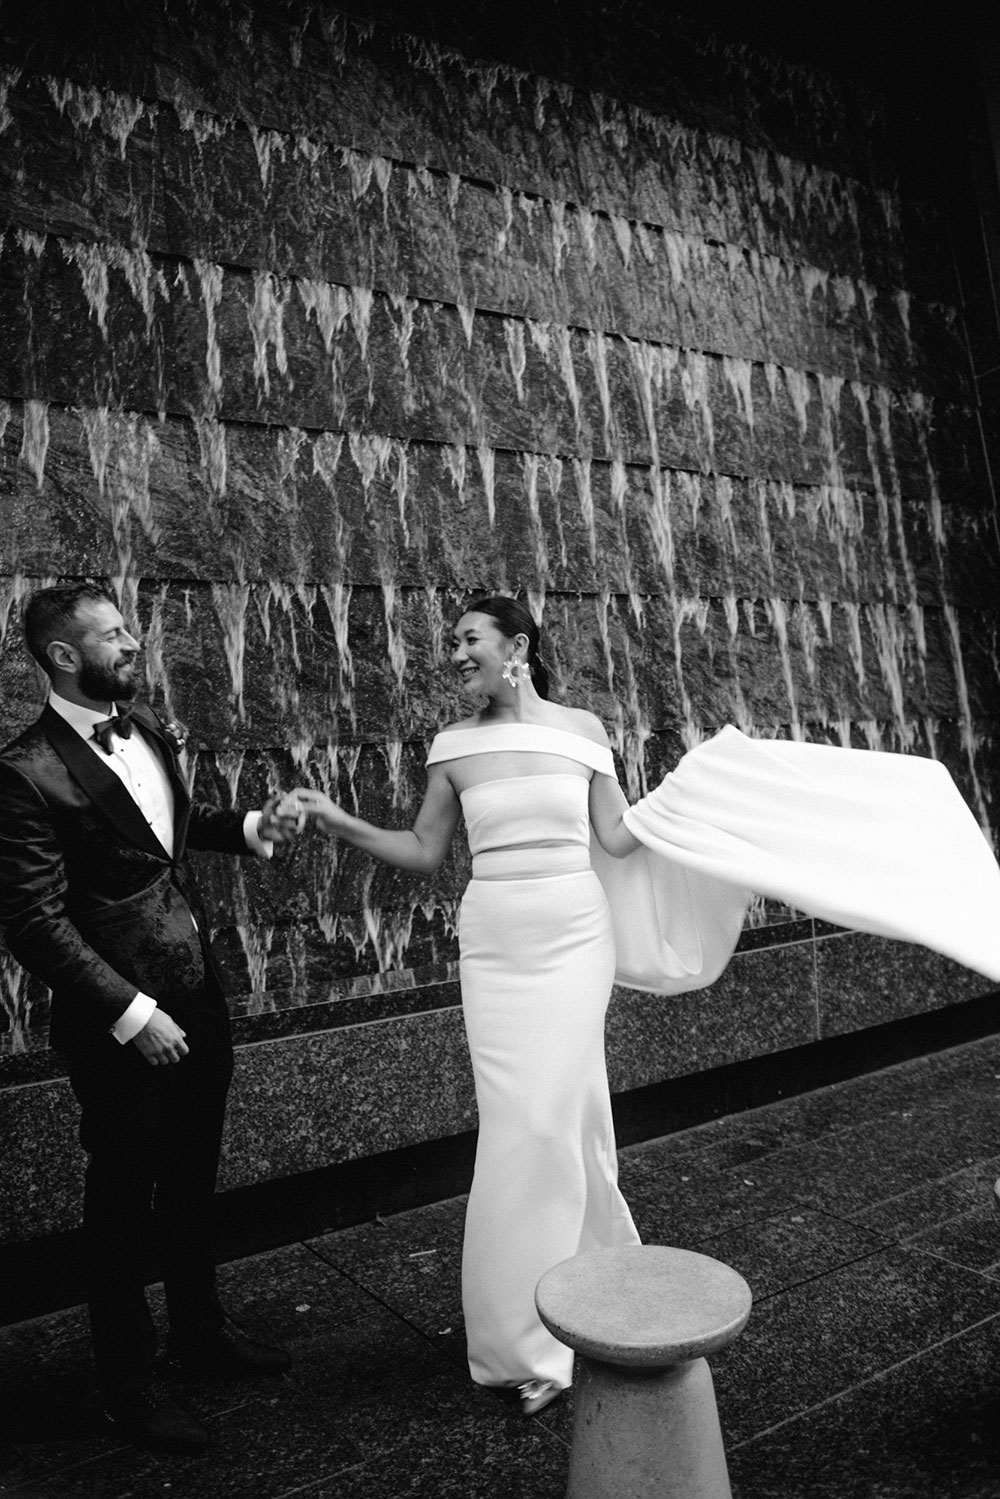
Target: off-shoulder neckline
{"points": [[525, 738], [546, 728]]}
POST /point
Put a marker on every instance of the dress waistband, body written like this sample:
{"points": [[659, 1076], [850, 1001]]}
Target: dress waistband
{"points": [[530, 862]]}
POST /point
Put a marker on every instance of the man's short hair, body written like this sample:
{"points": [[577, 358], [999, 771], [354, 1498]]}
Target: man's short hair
{"points": [[50, 611]]}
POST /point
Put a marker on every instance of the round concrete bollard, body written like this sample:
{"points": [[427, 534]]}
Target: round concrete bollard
{"points": [[642, 1320]]}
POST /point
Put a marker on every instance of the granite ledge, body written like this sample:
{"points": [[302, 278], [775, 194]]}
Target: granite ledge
{"points": [[282, 1013], [270, 1014]]}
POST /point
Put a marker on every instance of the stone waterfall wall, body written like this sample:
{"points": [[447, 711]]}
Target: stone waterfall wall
{"points": [[308, 327]]}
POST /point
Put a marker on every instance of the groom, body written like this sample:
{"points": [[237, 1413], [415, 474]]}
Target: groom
{"points": [[97, 900]]}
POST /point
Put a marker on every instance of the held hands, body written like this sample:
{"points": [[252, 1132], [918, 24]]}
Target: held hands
{"points": [[282, 819], [318, 807], [285, 816]]}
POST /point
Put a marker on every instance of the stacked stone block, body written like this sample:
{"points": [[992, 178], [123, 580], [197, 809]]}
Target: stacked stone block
{"points": [[308, 327]]}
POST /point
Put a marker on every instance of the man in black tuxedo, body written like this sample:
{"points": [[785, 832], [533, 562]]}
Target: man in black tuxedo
{"points": [[97, 900]]}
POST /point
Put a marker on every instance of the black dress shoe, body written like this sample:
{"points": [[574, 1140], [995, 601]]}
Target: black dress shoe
{"points": [[153, 1420], [229, 1355]]}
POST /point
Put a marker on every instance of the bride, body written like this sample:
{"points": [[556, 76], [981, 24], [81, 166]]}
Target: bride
{"points": [[571, 889]]}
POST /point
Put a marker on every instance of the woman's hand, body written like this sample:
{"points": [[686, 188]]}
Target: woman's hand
{"points": [[321, 810]]}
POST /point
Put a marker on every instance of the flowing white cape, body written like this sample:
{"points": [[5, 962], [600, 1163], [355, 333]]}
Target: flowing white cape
{"points": [[880, 843]]}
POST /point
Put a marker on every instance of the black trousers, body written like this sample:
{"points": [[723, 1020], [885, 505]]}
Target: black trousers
{"points": [[153, 1136]]}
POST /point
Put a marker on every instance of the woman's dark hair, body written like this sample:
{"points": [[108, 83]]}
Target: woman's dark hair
{"points": [[51, 612], [513, 618]]}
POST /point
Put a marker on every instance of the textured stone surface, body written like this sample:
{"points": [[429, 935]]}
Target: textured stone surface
{"points": [[925, 1429], [643, 1305], [956, 1199], [309, 1101], [413, 1266], [788, 1250], [309, 326], [304, 1101], [864, 981], [310, 508], [84, 327], [41, 1191], [701, 96], [651, 1037], [899, 1301], [872, 1367], [345, 216]]}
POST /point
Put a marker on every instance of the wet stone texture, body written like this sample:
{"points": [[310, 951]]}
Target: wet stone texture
{"points": [[309, 326]]}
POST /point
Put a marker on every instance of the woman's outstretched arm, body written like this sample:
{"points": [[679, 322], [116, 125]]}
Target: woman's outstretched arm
{"points": [[421, 848]]}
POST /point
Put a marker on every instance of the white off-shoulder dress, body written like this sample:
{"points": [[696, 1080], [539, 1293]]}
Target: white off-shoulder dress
{"points": [[537, 962], [879, 842]]}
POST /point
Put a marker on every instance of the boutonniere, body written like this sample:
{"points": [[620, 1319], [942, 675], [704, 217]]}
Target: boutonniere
{"points": [[176, 736]]}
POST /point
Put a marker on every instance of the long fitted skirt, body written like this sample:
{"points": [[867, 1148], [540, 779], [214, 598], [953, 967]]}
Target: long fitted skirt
{"points": [[537, 963]]}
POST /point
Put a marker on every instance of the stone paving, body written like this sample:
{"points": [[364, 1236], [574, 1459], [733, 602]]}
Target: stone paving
{"points": [[862, 1215]]}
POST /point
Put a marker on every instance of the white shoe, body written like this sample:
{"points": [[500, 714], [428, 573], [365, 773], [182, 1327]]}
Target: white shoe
{"points": [[536, 1394]]}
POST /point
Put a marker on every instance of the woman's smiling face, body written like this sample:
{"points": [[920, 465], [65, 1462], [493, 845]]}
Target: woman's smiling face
{"points": [[478, 651]]}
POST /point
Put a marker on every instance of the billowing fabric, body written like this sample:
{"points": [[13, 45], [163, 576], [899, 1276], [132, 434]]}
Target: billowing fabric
{"points": [[877, 842]]}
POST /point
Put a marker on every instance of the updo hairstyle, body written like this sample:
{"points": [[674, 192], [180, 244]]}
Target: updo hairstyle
{"points": [[513, 618]]}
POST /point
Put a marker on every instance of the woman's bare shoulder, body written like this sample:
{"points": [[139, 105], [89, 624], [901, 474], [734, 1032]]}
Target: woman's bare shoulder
{"points": [[581, 721]]}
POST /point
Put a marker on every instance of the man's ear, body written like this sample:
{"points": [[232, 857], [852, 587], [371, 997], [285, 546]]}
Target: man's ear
{"points": [[64, 657]]}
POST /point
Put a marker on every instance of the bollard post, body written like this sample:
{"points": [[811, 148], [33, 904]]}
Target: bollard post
{"points": [[642, 1320]]}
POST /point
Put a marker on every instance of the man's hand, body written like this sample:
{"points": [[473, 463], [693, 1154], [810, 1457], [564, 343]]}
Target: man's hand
{"points": [[282, 819], [161, 1041]]}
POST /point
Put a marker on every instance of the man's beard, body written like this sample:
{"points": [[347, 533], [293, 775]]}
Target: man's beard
{"points": [[102, 684]]}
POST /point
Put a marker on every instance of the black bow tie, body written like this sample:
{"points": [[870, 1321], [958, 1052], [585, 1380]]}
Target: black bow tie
{"points": [[120, 725]]}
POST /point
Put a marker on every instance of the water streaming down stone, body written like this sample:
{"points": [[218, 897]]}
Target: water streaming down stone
{"points": [[35, 442], [667, 383]]}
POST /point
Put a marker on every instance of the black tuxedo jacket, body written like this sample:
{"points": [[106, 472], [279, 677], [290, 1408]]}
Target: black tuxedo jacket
{"points": [[90, 901]]}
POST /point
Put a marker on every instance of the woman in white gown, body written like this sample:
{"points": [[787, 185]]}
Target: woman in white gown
{"points": [[537, 964], [571, 889]]}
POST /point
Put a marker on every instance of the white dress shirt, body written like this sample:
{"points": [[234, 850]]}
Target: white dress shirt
{"points": [[140, 770]]}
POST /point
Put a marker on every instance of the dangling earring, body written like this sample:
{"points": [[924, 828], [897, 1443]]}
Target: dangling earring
{"points": [[515, 673]]}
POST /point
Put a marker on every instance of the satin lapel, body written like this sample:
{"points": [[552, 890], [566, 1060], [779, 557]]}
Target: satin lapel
{"points": [[182, 799], [100, 783]]}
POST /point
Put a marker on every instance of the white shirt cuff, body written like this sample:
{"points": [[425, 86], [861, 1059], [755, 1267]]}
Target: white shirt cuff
{"points": [[128, 1025], [262, 846]]}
